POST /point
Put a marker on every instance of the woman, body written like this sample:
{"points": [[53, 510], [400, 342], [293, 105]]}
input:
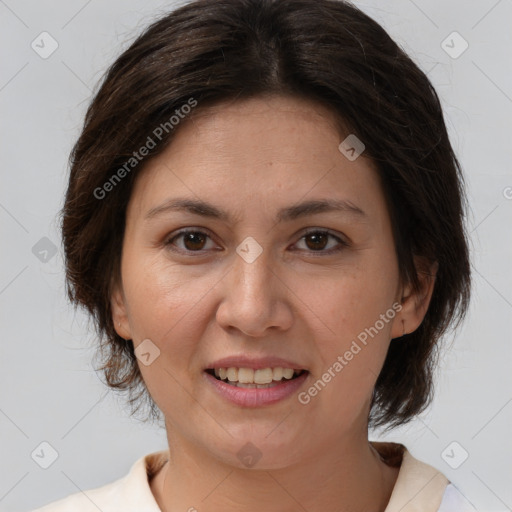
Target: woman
{"points": [[265, 219]]}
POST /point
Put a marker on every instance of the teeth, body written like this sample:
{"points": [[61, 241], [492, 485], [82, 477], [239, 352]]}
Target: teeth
{"points": [[245, 375], [264, 376], [259, 386], [277, 373], [248, 377], [287, 373], [232, 374]]}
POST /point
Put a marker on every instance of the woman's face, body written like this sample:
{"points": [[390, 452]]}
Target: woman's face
{"points": [[251, 282]]}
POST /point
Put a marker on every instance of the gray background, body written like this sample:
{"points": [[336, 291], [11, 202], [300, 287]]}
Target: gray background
{"points": [[49, 391]]}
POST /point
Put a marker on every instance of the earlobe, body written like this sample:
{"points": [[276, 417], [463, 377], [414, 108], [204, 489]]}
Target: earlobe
{"points": [[415, 303], [119, 313]]}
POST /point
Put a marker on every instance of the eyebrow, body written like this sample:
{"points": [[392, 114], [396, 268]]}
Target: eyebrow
{"points": [[312, 207]]}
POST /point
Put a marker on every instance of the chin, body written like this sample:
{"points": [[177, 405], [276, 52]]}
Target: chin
{"points": [[267, 449]]}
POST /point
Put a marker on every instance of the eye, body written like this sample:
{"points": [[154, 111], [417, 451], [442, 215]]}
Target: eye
{"points": [[317, 241], [193, 240]]}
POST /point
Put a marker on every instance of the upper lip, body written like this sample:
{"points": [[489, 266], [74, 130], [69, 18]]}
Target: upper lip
{"points": [[256, 363]]}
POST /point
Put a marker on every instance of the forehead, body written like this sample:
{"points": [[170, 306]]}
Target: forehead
{"points": [[255, 155], [272, 128]]}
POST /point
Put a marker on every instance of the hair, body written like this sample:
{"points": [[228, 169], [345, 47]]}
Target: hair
{"points": [[327, 51]]}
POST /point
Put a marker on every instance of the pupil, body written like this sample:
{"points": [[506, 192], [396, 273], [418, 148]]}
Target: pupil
{"points": [[317, 237], [189, 238]]}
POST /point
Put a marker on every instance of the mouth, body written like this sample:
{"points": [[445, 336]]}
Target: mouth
{"points": [[255, 378]]}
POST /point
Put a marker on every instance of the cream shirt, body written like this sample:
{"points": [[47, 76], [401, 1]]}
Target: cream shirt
{"points": [[419, 488]]}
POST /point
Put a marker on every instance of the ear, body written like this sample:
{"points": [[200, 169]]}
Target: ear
{"points": [[415, 303], [119, 312]]}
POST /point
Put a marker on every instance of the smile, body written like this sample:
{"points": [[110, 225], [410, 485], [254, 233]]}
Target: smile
{"points": [[247, 387], [254, 378]]}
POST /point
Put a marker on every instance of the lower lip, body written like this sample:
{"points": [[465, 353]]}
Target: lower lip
{"points": [[254, 397]]}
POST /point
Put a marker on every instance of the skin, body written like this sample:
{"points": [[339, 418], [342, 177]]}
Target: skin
{"points": [[294, 301]]}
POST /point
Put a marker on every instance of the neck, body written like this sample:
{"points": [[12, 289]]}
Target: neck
{"points": [[351, 478]]}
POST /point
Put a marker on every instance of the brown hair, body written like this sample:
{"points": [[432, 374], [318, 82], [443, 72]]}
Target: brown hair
{"points": [[327, 51]]}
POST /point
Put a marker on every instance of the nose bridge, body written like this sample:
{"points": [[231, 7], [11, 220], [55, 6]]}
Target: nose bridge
{"points": [[251, 273], [251, 300]]}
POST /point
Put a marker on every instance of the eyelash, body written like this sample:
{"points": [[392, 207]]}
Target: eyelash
{"points": [[342, 243]]}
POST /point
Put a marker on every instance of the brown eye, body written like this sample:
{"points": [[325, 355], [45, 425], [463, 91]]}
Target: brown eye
{"points": [[192, 241], [317, 241]]}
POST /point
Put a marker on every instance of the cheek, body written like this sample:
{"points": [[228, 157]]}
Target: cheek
{"points": [[353, 348], [349, 303], [356, 315], [165, 304]]}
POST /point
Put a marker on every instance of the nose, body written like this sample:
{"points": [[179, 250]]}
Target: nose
{"points": [[255, 298]]}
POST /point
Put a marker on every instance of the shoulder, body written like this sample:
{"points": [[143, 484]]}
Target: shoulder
{"points": [[454, 500], [132, 492], [419, 486]]}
